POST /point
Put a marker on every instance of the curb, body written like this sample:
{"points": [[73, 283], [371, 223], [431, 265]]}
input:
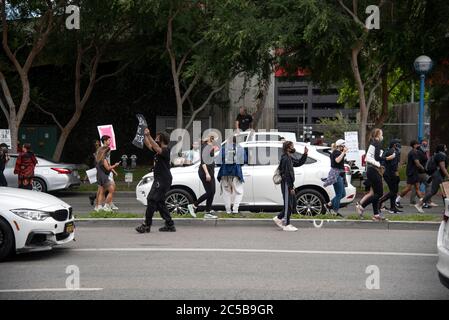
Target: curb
{"points": [[300, 223]]}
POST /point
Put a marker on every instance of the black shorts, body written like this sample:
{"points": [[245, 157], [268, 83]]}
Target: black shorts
{"points": [[414, 179]]}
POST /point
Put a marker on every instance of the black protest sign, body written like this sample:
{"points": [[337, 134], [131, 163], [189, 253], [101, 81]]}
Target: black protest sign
{"points": [[140, 135]]}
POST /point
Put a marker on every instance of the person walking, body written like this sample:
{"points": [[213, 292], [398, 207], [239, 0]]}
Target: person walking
{"points": [[24, 168], [4, 158], [206, 173], [161, 184], [424, 187], [230, 175], [104, 168], [336, 176], [243, 121], [92, 159], [286, 165], [438, 171], [374, 157], [414, 167], [391, 175]]}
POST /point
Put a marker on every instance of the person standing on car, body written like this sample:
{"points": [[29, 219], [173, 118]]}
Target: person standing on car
{"points": [[161, 184], [230, 175], [337, 175], [25, 164], [4, 158], [286, 165], [244, 120], [391, 175], [414, 167], [374, 157], [438, 171], [206, 173], [104, 168]]}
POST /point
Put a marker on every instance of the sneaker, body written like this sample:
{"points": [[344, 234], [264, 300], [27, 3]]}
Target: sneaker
{"points": [[394, 210], [398, 205], [426, 206], [210, 216], [98, 208], [113, 206], [143, 228], [290, 228], [167, 229], [192, 208], [107, 208], [359, 209], [419, 208], [379, 218], [278, 222], [433, 204]]}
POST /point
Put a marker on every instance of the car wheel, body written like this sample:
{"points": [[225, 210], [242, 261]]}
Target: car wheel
{"points": [[177, 201], [39, 185], [6, 240], [310, 202], [444, 280]]}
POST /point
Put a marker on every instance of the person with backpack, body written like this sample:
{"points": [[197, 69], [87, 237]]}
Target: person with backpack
{"points": [[437, 168], [287, 173]]}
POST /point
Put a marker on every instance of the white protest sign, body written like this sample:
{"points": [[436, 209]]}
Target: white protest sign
{"points": [[352, 143], [5, 137]]}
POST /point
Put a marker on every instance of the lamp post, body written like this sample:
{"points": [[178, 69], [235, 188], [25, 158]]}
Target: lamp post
{"points": [[423, 64]]}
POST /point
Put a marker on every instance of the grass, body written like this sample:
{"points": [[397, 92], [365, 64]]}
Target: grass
{"points": [[223, 215]]}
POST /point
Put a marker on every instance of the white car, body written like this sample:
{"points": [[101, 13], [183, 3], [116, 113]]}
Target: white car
{"points": [[32, 221], [443, 247], [260, 193], [248, 136]]}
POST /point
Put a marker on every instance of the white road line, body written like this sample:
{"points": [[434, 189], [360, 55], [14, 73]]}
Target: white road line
{"points": [[374, 253], [50, 290]]}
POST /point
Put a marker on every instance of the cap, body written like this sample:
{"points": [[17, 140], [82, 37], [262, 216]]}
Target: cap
{"points": [[340, 142]]}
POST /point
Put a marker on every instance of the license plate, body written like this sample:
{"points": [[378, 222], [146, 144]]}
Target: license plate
{"points": [[69, 227]]}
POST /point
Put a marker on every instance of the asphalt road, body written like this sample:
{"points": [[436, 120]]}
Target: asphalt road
{"points": [[231, 262], [126, 202]]}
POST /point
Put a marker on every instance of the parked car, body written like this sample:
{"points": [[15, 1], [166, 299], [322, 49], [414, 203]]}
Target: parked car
{"points": [[266, 136], [443, 247], [48, 175], [32, 221], [260, 193]]}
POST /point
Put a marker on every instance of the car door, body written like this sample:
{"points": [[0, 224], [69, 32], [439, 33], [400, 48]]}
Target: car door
{"points": [[11, 178]]}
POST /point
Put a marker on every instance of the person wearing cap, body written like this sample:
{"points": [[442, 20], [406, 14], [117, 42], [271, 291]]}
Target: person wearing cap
{"points": [[337, 175], [414, 167], [391, 175]]}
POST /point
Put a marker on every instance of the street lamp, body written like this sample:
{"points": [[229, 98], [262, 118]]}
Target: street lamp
{"points": [[423, 64]]}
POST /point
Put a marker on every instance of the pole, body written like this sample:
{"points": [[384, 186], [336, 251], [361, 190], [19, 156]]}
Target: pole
{"points": [[421, 109]]}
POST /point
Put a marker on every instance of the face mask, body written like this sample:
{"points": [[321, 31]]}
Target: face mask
{"points": [[293, 150]]}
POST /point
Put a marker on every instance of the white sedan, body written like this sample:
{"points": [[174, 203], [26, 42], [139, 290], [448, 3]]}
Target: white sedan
{"points": [[260, 193], [32, 221], [443, 247]]}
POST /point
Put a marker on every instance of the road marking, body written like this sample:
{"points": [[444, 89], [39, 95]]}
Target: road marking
{"points": [[49, 290], [374, 253]]}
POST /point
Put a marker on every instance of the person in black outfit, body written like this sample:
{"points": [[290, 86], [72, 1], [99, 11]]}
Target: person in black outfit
{"points": [[4, 158], [243, 121], [206, 172], [161, 184], [391, 175], [288, 184]]}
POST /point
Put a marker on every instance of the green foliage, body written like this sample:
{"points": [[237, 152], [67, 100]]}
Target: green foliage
{"points": [[335, 129]]}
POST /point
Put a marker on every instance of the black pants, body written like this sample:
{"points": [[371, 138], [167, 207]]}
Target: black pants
{"points": [[3, 182], [375, 180], [156, 202], [437, 179], [289, 204], [209, 186], [393, 187]]}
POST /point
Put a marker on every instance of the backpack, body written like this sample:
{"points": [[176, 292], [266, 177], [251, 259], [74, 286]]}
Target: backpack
{"points": [[277, 178], [431, 166]]}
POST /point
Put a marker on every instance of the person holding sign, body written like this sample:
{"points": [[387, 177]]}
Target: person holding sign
{"points": [[104, 182], [161, 184]]}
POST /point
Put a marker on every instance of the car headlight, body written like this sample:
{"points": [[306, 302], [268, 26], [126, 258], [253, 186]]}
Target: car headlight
{"points": [[146, 180], [31, 214]]}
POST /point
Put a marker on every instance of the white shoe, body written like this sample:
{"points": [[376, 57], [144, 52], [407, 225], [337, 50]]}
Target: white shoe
{"points": [[290, 228], [210, 216], [107, 208], [359, 209], [433, 204], [419, 208], [98, 208], [113, 206], [278, 222], [191, 208]]}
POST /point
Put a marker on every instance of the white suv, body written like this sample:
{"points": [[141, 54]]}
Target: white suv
{"points": [[260, 193]]}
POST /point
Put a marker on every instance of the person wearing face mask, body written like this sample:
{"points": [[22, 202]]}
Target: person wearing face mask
{"points": [[374, 173], [424, 187], [391, 175], [438, 170], [286, 165], [161, 184], [337, 175]]}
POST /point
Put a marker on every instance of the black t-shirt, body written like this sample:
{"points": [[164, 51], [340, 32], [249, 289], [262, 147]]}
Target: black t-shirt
{"points": [[391, 166], [207, 158], [162, 166], [2, 161], [244, 121], [334, 164], [422, 156], [412, 169], [440, 157]]}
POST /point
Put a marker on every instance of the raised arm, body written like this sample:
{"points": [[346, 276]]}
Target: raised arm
{"points": [[150, 143]]}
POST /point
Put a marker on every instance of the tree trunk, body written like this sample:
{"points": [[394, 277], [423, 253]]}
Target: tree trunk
{"points": [[260, 105], [65, 134]]}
